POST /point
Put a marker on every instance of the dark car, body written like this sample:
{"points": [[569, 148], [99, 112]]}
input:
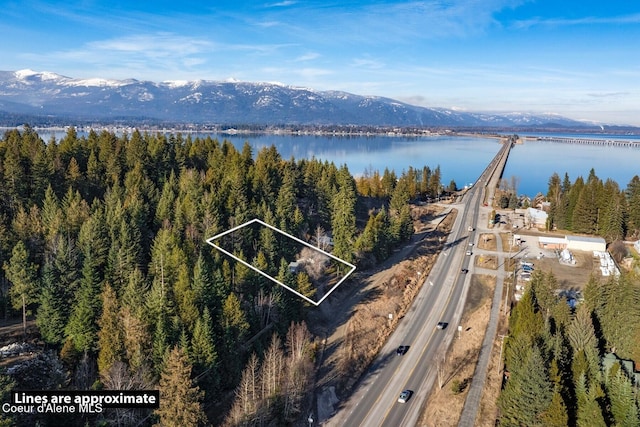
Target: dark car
{"points": [[402, 350], [441, 325], [464, 271]]}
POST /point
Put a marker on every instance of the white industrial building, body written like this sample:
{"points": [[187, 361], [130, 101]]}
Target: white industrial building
{"points": [[575, 243]]}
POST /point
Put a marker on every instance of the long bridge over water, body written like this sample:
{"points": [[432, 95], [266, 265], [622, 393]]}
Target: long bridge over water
{"points": [[586, 141]]}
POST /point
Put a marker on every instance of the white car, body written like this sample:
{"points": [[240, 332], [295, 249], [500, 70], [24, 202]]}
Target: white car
{"points": [[404, 396]]}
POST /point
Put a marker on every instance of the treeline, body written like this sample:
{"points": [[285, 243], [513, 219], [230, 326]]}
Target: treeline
{"points": [[102, 240], [594, 207], [414, 183], [560, 370]]}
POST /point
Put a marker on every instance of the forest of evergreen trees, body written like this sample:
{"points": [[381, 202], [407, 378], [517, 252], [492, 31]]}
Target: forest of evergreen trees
{"points": [[102, 242], [554, 356], [593, 207]]}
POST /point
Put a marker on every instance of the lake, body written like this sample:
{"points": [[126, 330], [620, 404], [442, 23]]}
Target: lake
{"points": [[535, 161], [460, 158]]}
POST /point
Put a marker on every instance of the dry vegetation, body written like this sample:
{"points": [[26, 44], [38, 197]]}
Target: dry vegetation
{"points": [[370, 326], [444, 405], [352, 342], [487, 241], [488, 412], [487, 261]]}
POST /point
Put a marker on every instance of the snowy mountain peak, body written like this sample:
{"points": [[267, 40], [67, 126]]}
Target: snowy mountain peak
{"points": [[97, 82], [44, 75], [50, 96]]}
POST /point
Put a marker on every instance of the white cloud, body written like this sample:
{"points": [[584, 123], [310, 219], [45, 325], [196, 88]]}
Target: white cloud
{"points": [[307, 57], [587, 20], [153, 45], [282, 4], [369, 63]]}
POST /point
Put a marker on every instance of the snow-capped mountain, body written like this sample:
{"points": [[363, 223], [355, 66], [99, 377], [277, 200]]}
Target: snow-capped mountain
{"points": [[46, 94]]}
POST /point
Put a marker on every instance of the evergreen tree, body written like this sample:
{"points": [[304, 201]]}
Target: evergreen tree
{"points": [[52, 312], [587, 208], [202, 285], [343, 217], [110, 334], [572, 199], [556, 414], [24, 281], [286, 203], [623, 399], [185, 298], [632, 194], [527, 394], [52, 218], [589, 411], [82, 326], [181, 398], [612, 214], [305, 287], [234, 321], [388, 182], [526, 321], [581, 335], [202, 344], [136, 339]]}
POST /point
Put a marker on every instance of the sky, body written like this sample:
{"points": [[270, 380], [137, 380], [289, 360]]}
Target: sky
{"points": [[579, 59]]}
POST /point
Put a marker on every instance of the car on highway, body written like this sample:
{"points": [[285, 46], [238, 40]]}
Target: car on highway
{"points": [[468, 253], [441, 325], [402, 350], [464, 271], [404, 396]]}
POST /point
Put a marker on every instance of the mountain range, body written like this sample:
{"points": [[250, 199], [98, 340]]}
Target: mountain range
{"points": [[28, 95]]}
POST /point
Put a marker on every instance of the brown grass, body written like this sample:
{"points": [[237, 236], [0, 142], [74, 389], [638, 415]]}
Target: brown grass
{"points": [[487, 241], [487, 261]]}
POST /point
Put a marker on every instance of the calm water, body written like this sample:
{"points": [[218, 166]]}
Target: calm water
{"points": [[461, 159], [535, 161]]}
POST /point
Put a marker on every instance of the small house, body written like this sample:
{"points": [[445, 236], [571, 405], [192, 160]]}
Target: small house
{"points": [[294, 266]]}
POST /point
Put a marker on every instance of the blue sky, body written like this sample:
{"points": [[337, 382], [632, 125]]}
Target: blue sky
{"points": [[580, 59]]}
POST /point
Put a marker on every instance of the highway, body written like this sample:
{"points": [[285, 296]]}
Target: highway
{"points": [[441, 299]]}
